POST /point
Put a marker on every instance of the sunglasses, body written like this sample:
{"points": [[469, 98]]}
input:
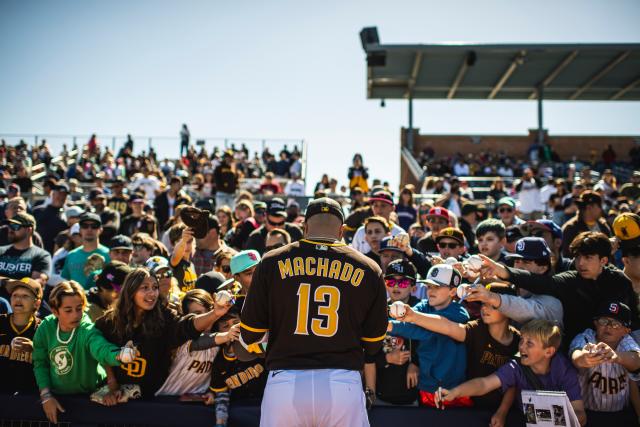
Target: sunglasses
{"points": [[613, 324], [450, 245], [502, 210], [164, 274], [225, 268], [276, 224], [528, 230], [260, 211], [401, 283], [15, 227], [92, 225]]}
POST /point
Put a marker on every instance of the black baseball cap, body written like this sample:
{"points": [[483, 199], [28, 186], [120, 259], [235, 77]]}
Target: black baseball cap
{"points": [[112, 275], [276, 207], [381, 196], [90, 217], [120, 241], [210, 281], [531, 248], [324, 205], [96, 193], [61, 186], [385, 245], [615, 310], [401, 267], [513, 233]]}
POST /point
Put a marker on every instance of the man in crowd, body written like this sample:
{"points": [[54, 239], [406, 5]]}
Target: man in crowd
{"points": [[74, 264], [590, 217], [21, 258], [468, 222], [120, 249], [276, 218], [226, 179], [552, 235], [129, 224], [631, 190], [118, 201], [12, 207], [438, 219], [168, 201], [50, 218], [208, 247], [506, 208], [108, 216]]}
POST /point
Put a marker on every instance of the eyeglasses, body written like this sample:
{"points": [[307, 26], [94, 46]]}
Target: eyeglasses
{"points": [[401, 283], [225, 268], [503, 210], [450, 245], [613, 324], [275, 224], [272, 247], [164, 274], [91, 225], [15, 227]]}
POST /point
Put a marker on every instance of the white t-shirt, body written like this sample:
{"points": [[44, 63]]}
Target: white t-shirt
{"points": [[294, 188], [190, 371], [604, 387], [529, 197], [149, 185], [361, 244]]}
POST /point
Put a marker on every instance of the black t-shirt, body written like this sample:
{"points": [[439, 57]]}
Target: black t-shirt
{"points": [[241, 379], [20, 263], [428, 245], [120, 205], [16, 368], [485, 355], [128, 225], [258, 237], [321, 303], [49, 223], [185, 273], [151, 368], [4, 237]]}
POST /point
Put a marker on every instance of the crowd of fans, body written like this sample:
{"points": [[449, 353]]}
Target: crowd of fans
{"points": [[113, 290]]}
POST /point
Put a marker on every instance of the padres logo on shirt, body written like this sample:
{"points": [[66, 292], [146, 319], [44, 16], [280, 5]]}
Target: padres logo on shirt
{"points": [[137, 368], [62, 360]]}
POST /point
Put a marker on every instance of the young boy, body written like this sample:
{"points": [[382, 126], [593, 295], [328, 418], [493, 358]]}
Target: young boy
{"points": [[242, 266], [108, 284], [490, 343], [184, 247], [491, 235], [232, 378], [392, 374], [442, 360], [16, 335], [538, 353], [605, 358]]}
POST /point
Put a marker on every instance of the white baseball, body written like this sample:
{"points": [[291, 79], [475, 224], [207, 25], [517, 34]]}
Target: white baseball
{"points": [[223, 297], [397, 309], [474, 262], [127, 354], [451, 261], [463, 290]]}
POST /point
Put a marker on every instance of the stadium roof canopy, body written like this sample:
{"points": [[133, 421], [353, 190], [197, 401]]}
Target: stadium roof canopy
{"points": [[589, 72]]}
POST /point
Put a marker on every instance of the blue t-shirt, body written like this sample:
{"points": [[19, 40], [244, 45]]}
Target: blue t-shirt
{"points": [[443, 361], [74, 264], [562, 376]]}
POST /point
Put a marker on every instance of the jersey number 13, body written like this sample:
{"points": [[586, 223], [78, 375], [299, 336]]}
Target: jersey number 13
{"points": [[325, 322]]}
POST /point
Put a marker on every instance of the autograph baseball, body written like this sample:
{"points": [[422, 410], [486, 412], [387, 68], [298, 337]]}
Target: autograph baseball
{"points": [[397, 309], [223, 297]]}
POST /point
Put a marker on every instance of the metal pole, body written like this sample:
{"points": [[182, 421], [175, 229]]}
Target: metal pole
{"points": [[540, 116], [113, 144], [410, 131]]}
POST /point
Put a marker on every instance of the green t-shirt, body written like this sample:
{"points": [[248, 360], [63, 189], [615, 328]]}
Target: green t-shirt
{"points": [[73, 367], [74, 264]]}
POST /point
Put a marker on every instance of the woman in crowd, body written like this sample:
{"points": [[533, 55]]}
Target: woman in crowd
{"points": [[358, 174], [68, 350], [497, 190], [245, 224], [225, 218], [406, 209], [155, 330], [223, 264]]}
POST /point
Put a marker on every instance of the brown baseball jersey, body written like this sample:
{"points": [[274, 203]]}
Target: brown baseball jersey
{"points": [[321, 304]]}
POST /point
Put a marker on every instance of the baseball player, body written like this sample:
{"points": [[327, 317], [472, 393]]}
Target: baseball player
{"points": [[321, 302]]}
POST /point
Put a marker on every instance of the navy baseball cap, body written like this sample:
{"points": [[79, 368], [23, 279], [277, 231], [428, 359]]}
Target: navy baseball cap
{"points": [[545, 224], [385, 246], [531, 248], [401, 267], [615, 310]]}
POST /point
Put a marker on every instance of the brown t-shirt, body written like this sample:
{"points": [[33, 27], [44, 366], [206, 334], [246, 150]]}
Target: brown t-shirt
{"points": [[485, 355]]}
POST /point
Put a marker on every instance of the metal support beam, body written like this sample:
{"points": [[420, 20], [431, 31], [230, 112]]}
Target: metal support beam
{"points": [[619, 94], [517, 60], [540, 116], [415, 70], [600, 74], [555, 72], [410, 130], [456, 83]]}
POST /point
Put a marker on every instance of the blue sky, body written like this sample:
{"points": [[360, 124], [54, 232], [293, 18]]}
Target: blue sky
{"points": [[277, 69]]}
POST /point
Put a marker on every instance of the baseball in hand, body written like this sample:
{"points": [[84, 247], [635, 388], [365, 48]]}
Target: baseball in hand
{"points": [[474, 262], [463, 290], [397, 310], [127, 354], [402, 239], [451, 261], [223, 297]]}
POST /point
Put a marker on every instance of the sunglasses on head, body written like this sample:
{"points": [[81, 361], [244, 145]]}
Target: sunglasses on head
{"points": [[15, 227], [450, 245], [164, 274], [225, 268], [276, 224], [401, 283], [92, 225], [501, 210]]}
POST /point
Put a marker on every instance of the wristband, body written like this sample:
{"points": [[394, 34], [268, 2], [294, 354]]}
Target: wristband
{"points": [[42, 402]]}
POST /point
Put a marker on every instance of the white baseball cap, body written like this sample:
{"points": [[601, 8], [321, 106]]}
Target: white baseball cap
{"points": [[443, 275]]}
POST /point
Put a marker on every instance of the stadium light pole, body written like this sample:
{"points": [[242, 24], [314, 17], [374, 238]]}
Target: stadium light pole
{"points": [[540, 90], [410, 132]]}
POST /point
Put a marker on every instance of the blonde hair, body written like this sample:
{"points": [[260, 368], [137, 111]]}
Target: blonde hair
{"points": [[546, 331], [67, 288]]}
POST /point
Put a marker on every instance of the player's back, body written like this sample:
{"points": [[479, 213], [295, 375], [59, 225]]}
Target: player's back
{"points": [[319, 301]]}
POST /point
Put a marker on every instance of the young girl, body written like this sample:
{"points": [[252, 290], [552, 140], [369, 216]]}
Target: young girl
{"points": [[190, 370], [140, 316], [225, 217], [68, 350]]}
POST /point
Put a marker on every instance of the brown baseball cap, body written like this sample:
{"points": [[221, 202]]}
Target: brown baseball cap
{"points": [[34, 286], [23, 219], [589, 197], [451, 233]]}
